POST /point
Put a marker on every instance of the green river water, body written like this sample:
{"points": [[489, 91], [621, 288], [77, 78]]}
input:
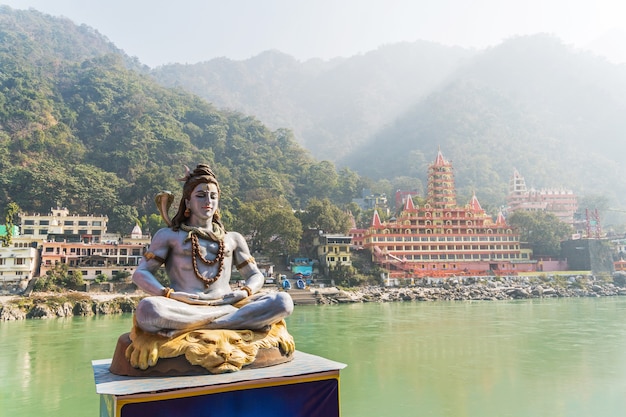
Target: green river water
{"points": [[551, 357]]}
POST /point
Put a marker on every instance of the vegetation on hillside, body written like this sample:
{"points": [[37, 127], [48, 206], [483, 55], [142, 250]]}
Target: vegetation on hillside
{"points": [[86, 132]]}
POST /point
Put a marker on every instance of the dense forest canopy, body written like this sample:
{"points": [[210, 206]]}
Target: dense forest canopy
{"points": [[87, 132]]}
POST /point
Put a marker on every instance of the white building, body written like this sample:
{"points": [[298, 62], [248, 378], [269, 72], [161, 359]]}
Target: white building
{"points": [[17, 267], [59, 221]]}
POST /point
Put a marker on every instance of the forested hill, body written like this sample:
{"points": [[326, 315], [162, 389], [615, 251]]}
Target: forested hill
{"points": [[531, 103], [80, 129], [332, 106]]}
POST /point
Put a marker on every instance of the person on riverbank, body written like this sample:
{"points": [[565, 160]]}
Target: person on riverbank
{"points": [[199, 254]]}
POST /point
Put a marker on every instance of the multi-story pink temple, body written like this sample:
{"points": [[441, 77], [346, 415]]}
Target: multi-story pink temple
{"points": [[442, 239]]}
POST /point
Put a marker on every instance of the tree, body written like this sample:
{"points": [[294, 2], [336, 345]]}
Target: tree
{"points": [[10, 215], [60, 277], [93, 190], [324, 215], [152, 223], [319, 179], [270, 226], [542, 230], [122, 219], [347, 186]]}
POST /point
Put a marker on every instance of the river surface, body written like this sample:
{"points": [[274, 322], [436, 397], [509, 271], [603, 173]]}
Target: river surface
{"points": [[531, 358]]}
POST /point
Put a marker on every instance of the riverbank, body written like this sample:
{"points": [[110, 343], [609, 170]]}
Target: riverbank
{"points": [[49, 305], [454, 290], [67, 304]]}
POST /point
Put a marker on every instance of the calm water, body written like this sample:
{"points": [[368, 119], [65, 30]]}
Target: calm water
{"points": [[529, 358]]}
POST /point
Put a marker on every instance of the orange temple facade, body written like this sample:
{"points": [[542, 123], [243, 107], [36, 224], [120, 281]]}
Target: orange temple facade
{"points": [[441, 239]]}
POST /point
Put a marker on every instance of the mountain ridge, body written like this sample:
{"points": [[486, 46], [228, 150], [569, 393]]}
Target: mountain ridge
{"points": [[531, 102]]}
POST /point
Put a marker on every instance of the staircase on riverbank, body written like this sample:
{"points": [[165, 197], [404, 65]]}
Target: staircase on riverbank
{"points": [[303, 297]]}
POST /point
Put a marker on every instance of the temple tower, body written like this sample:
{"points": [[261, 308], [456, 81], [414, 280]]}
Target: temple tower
{"points": [[441, 191]]}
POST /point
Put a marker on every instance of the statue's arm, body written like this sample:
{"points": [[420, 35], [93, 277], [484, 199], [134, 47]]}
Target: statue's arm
{"points": [[143, 276], [246, 264]]}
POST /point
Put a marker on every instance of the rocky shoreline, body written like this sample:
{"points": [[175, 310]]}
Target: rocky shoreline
{"points": [[50, 305], [42, 306], [474, 289]]}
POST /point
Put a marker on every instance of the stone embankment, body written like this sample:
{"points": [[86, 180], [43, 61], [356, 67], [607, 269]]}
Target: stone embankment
{"points": [[41, 306], [468, 289], [453, 289]]}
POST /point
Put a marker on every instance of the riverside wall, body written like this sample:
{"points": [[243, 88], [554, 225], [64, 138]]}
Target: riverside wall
{"points": [[49, 305]]}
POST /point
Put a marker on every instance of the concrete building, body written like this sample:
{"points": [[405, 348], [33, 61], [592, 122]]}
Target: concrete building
{"points": [[92, 259], [60, 222], [562, 203], [333, 250], [370, 201], [17, 267], [595, 255]]}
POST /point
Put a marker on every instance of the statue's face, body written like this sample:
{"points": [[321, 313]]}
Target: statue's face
{"points": [[203, 202]]}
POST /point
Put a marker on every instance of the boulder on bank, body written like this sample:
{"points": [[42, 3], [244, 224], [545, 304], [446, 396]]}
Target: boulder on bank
{"points": [[471, 288], [64, 305]]}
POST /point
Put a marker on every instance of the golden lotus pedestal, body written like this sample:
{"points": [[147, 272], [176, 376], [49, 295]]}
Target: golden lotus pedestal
{"points": [[306, 385]]}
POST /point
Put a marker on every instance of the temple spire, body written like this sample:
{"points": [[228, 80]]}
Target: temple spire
{"points": [[409, 206], [440, 160], [475, 204], [376, 220]]}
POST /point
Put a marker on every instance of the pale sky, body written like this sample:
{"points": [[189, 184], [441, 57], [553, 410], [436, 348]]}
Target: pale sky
{"points": [[190, 31]]}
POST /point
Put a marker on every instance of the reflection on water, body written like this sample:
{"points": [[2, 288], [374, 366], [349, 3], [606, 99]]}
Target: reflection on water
{"points": [[528, 358]]}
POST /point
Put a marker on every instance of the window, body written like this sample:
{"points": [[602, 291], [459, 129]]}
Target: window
{"points": [[68, 223], [20, 261], [29, 222], [82, 222], [44, 222]]}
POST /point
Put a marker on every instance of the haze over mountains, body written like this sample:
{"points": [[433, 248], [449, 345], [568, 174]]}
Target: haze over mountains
{"points": [[532, 103]]}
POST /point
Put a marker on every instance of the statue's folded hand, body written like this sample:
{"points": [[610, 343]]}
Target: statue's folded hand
{"points": [[230, 298], [189, 298]]}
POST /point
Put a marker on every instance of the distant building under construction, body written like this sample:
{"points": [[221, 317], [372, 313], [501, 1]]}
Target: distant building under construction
{"points": [[442, 239], [562, 203]]}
